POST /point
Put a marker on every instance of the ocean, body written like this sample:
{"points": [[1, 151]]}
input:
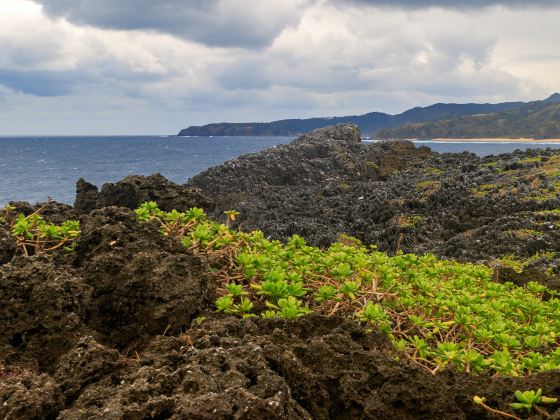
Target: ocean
{"points": [[36, 168]]}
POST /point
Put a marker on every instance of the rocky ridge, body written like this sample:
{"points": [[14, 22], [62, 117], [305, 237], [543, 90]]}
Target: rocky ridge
{"points": [[396, 196]]}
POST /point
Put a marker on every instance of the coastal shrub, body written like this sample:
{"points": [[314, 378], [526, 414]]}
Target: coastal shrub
{"points": [[525, 401], [33, 234], [436, 312]]}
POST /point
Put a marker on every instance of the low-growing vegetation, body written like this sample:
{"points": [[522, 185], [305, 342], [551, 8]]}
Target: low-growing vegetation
{"points": [[428, 187], [518, 264], [436, 312], [408, 220], [34, 234], [525, 401]]}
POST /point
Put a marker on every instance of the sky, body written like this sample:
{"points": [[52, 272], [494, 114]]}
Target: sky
{"points": [[102, 67]]}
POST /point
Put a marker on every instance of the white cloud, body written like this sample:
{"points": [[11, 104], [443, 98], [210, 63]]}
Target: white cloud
{"points": [[307, 58]]}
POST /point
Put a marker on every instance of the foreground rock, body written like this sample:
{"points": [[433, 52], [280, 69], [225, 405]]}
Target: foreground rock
{"points": [[43, 311], [314, 368], [143, 283], [7, 245], [126, 281]]}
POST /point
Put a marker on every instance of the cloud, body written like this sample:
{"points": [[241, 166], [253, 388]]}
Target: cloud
{"points": [[451, 4], [41, 83], [92, 67], [338, 55], [223, 23]]}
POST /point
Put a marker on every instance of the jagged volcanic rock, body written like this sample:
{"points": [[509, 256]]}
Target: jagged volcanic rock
{"points": [[134, 190], [395, 196], [7, 245]]}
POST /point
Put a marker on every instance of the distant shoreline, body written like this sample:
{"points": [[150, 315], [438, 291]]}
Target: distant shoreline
{"points": [[490, 140]]}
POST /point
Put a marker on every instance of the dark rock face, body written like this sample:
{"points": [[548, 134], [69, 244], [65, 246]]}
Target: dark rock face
{"points": [[43, 309], [86, 363], [305, 187], [322, 156], [87, 196], [27, 395], [313, 368], [134, 190], [126, 281], [142, 282], [7, 245]]}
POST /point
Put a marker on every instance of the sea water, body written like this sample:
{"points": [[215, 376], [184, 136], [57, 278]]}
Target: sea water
{"points": [[36, 168]]}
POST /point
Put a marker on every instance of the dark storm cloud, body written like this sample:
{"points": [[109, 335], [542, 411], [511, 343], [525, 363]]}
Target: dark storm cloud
{"points": [[224, 23], [41, 83]]}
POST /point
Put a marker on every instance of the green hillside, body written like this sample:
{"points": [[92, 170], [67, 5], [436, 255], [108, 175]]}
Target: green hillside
{"points": [[538, 120], [369, 123]]}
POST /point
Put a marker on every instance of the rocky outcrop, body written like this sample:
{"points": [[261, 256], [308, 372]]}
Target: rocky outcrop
{"points": [[313, 368], [125, 281], [303, 187], [396, 196], [134, 190], [329, 155], [142, 282], [7, 245]]}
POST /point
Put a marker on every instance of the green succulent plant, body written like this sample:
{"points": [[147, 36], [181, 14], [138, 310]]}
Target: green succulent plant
{"points": [[529, 400], [34, 234], [436, 312]]}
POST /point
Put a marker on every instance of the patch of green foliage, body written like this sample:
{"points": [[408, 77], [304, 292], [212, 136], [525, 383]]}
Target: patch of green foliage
{"points": [[523, 233], [428, 187], [408, 220], [33, 234], [526, 401], [7, 215], [485, 189], [436, 312], [432, 170], [372, 165], [530, 159], [554, 212], [428, 184], [518, 264]]}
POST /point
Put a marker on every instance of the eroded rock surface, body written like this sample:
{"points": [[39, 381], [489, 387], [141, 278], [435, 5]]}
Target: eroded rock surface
{"points": [[43, 310], [134, 190], [143, 283], [314, 368], [304, 187], [7, 245], [125, 281]]}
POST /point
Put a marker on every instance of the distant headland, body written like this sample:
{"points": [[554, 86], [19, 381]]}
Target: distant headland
{"points": [[528, 120]]}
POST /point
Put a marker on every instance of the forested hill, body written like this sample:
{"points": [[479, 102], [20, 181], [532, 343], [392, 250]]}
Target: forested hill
{"points": [[538, 120], [369, 123]]}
